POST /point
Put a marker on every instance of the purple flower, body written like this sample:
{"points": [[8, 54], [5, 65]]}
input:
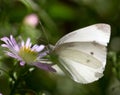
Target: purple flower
{"points": [[25, 52]]}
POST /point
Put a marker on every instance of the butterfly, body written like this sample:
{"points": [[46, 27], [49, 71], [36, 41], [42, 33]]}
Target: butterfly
{"points": [[82, 53]]}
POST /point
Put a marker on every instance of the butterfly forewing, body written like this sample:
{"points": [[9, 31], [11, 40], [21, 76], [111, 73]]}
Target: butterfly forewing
{"points": [[88, 53]]}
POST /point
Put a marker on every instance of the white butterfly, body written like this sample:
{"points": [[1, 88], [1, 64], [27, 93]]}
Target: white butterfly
{"points": [[82, 53]]}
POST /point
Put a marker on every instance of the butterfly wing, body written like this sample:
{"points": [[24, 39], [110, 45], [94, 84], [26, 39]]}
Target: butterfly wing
{"points": [[82, 53], [99, 33], [84, 61]]}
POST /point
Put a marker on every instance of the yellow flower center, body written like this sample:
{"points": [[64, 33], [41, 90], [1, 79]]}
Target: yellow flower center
{"points": [[27, 54]]}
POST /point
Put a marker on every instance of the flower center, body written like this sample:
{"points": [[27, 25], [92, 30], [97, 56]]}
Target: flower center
{"points": [[27, 54]]}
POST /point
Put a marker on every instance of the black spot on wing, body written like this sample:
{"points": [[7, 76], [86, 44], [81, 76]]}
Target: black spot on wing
{"points": [[92, 53], [88, 60]]}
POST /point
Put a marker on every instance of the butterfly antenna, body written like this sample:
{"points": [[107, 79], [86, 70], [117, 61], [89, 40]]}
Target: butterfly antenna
{"points": [[44, 33]]}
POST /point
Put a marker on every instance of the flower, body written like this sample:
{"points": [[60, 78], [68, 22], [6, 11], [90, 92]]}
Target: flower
{"points": [[31, 20], [26, 53]]}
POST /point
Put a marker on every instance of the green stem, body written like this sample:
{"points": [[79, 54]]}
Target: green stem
{"points": [[14, 87], [24, 71]]}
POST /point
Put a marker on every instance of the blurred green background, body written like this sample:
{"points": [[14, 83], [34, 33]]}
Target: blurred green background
{"points": [[58, 17]]}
